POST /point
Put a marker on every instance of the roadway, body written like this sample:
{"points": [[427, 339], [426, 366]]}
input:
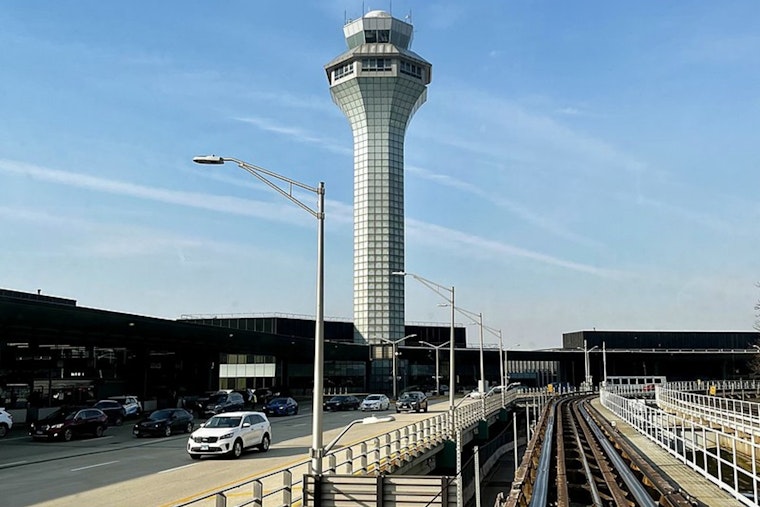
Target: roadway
{"points": [[118, 469]]}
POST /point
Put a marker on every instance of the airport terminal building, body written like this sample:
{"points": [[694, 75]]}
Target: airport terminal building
{"points": [[54, 351]]}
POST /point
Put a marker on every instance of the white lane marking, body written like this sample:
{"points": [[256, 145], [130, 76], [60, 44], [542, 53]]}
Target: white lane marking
{"points": [[175, 468], [93, 466], [3, 465]]}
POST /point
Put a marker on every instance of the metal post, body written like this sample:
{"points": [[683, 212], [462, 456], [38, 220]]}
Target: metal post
{"points": [[482, 388], [460, 485], [585, 364], [452, 369], [604, 361], [395, 389], [514, 437], [502, 379], [319, 341], [476, 454], [437, 374], [527, 422]]}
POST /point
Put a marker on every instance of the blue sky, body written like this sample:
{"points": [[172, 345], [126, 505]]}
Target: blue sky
{"points": [[577, 165]]}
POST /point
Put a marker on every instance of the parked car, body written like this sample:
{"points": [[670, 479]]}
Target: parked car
{"points": [[230, 434], [114, 410], [6, 422], [342, 402], [281, 406], [412, 401], [224, 402], [164, 422], [375, 402], [132, 405], [66, 423]]}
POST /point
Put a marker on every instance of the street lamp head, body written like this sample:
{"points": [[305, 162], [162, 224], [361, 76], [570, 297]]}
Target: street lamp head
{"points": [[208, 159], [374, 419]]}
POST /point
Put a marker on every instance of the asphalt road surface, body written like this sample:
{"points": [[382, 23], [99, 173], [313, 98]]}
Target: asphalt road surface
{"points": [[120, 470]]}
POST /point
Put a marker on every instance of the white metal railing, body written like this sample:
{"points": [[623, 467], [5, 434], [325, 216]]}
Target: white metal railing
{"points": [[723, 458], [732, 415], [382, 454]]}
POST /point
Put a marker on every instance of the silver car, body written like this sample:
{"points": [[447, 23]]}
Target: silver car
{"points": [[230, 434], [375, 402]]}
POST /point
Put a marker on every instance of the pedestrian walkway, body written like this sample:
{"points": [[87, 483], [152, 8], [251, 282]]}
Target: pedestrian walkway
{"points": [[694, 484]]}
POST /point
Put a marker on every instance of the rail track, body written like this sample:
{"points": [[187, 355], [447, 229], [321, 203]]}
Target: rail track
{"points": [[576, 458]]}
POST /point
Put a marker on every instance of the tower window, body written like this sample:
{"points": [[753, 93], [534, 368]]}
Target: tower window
{"points": [[343, 71], [410, 69], [372, 36], [376, 64]]}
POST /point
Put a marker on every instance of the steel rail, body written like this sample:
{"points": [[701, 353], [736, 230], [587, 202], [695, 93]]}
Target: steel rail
{"points": [[541, 483], [639, 492], [590, 478]]}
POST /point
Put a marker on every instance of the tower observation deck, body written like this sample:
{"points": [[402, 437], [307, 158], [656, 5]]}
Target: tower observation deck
{"points": [[378, 84]]}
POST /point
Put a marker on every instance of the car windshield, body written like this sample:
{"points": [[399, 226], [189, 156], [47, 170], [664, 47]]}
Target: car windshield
{"points": [[106, 404], [223, 422], [217, 398], [279, 401], [409, 396], [160, 414], [120, 400], [339, 398], [372, 397]]}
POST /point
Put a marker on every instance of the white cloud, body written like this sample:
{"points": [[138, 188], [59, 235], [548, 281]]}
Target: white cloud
{"points": [[459, 242], [298, 134]]}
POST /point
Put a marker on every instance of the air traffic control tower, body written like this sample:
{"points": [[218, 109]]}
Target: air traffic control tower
{"points": [[378, 84]]}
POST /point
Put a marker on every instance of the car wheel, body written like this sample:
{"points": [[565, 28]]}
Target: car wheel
{"points": [[264, 445], [195, 456], [67, 434], [398, 411], [99, 431], [118, 421], [3, 430], [296, 411], [237, 449], [189, 428], [168, 430]]}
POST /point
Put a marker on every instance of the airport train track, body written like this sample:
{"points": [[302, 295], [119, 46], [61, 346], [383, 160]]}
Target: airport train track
{"points": [[579, 459]]}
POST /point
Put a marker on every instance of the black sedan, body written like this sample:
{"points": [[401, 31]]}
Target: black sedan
{"points": [[65, 423], [342, 402], [164, 422], [113, 409], [281, 406], [412, 401]]}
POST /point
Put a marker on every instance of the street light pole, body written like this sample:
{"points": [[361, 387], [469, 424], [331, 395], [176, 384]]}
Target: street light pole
{"points": [[587, 364], [438, 289], [437, 374], [317, 448], [395, 343]]}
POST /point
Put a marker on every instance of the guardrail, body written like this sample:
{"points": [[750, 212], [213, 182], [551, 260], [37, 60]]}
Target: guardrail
{"points": [[382, 454], [711, 452], [730, 414]]}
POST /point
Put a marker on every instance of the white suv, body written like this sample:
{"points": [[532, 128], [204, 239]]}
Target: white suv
{"points": [[230, 434], [6, 422]]}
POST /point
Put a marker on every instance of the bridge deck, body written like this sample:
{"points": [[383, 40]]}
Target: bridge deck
{"points": [[694, 484]]}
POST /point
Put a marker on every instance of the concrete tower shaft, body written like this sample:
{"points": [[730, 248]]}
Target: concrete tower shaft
{"points": [[378, 84]]}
